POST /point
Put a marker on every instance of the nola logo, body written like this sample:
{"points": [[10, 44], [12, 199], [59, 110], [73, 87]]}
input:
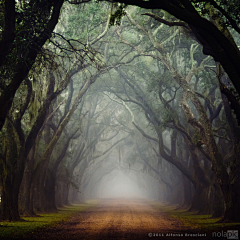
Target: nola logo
{"points": [[230, 234]]}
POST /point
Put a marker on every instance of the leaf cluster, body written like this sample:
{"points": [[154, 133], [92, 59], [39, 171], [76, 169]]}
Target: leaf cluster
{"points": [[117, 16], [227, 10]]}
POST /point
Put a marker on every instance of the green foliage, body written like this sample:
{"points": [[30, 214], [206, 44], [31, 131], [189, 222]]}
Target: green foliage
{"points": [[30, 224], [197, 139], [117, 16], [85, 20], [192, 220], [31, 22], [231, 8]]}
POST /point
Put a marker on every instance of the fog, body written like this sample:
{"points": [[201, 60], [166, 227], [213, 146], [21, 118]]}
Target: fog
{"points": [[119, 185], [120, 175], [107, 100]]}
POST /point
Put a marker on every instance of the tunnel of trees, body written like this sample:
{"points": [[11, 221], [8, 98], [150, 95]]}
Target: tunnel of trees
{"points": [[95, 95]]}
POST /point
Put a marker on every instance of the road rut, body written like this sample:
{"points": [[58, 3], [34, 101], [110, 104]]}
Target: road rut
{"points": [[118, 219]]}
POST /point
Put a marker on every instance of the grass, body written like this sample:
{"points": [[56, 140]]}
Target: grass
{"points": [[194, 220], [31, 224]]}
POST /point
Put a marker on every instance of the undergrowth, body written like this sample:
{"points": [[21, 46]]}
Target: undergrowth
{"points": [[193, 220], [31, 224]]}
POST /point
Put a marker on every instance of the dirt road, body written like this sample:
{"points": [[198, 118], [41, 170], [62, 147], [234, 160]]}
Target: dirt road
{"points": [[118, 219]]}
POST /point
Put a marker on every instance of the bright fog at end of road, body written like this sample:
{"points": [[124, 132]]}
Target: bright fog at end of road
{"points": [[120, 185]]}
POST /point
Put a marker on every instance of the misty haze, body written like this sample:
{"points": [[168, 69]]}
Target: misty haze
{"points": [[119, 120]]}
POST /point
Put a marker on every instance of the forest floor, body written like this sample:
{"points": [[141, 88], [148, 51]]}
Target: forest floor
{"points": [[132, 219]]}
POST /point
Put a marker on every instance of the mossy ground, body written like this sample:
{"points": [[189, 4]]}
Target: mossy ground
{"points": [[193, 220], [30, 224]]}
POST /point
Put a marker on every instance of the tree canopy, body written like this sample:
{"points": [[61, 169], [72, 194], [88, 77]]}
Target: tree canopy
{"points": [[93, 89]]}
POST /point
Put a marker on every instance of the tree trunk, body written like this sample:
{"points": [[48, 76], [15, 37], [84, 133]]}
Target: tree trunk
{"points": [[49, 192], [27, 204], [11, 182], [9, 201], [23, 67], [27, 200], [217, 201], [186, 193], [232, 202], [39, 196], [65, 194], [75, 196], [59, 195], [231, 192], [201, 202]]}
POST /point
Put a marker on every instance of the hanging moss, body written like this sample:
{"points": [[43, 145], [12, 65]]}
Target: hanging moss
{"points": [[197, 139], [116, 18]]}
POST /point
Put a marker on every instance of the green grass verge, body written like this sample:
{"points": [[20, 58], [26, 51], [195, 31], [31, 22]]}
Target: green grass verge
{"points": [[30, 224], [194, 220]]}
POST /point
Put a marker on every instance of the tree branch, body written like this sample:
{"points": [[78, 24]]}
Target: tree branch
{"points": [[8, 35], [170, 24]]}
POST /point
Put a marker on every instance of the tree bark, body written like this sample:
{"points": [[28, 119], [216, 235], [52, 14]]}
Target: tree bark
{"points": [[27, 194], [217, 201], [8, 34], [22, 69]]}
